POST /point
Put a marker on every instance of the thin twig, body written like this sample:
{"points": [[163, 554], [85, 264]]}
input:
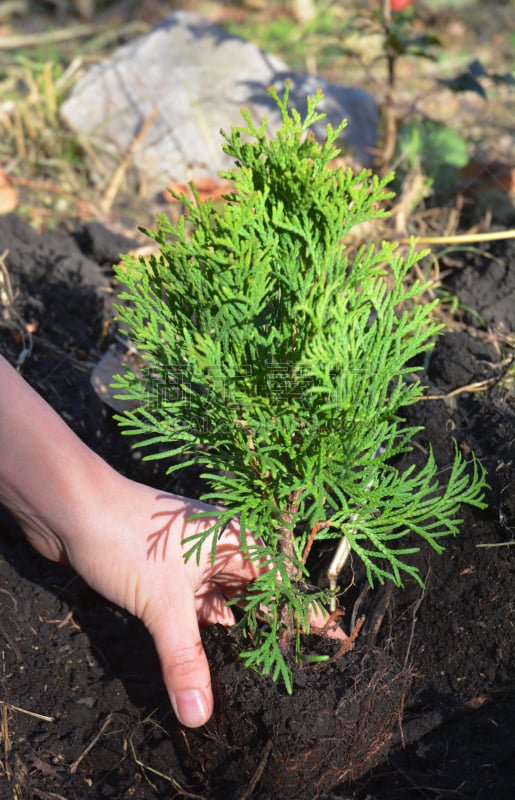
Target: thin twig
{"points": [[379, 613], [42, 794], [119, 173], [465, 238], [6, 740], [309, 544], [357, 605], [66, 34], [348, 643], [267, 749], [47, 37], [343, 549], [34, 714], [497, 544], [478, 386], [331, 621], [74, 767], [414, 619], [388, 107], [146, 768]]}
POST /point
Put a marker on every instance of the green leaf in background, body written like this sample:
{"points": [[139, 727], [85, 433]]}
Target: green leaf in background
{"points": [[435, 148]]}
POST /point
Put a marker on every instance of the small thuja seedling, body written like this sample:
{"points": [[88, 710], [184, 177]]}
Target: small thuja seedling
{"points": [[281, 366]]}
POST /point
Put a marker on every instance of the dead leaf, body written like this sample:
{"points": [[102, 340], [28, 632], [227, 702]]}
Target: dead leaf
{"points": [[8, 194], [478, 173], [208, 189], [490, 186]]}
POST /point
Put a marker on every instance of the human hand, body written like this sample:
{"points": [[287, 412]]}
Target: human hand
{"points": [[128, 547]]}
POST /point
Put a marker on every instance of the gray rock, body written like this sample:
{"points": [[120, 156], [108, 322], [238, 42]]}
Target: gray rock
{"points": [[195, 78]]}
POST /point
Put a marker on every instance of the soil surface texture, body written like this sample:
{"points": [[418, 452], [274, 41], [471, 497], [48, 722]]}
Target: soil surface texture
{"points": [[84, 713]]}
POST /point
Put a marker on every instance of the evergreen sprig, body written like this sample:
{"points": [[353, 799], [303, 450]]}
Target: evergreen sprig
{"points": [[281, 366]]}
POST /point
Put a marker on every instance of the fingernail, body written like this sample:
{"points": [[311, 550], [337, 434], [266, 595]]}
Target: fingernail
{"points": [[192, 708]]}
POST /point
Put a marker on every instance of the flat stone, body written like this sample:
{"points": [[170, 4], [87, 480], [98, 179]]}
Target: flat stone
{"points": [[192, 78]]}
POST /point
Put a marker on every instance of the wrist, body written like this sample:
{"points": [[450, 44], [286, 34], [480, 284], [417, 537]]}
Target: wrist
{"points": [[47, 474]]}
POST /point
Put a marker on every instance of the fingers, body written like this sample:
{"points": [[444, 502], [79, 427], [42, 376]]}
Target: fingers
{"points": [[322, 622], [212, 609], [184, 664], [233, 569]]}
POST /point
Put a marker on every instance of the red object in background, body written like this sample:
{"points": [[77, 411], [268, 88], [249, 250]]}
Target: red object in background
{"points": [[398, 5]]}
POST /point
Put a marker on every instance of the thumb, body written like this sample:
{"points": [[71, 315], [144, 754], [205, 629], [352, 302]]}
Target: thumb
{"points": [[184, 665]]}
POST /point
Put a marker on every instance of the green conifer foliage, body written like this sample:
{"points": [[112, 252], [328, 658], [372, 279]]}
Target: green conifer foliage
{"points": [[281, 366]]}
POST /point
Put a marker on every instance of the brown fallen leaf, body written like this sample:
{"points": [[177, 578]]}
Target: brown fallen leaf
{"points": [[490, 187], [483, 173], [8, 193], [208, 189]]}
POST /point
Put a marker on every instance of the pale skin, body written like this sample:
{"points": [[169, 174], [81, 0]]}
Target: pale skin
{"points": [[76, 509]]}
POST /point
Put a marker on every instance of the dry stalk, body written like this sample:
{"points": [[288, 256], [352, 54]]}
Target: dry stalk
{"points": [[61, 35], [9, 315], [117, 178], [11, 707], [348, 643], [267, 749], [414, 618], [472, 388], [496, 544], [145, 768], [465, 238], [74, 767], [41, 794], [4, 734]]}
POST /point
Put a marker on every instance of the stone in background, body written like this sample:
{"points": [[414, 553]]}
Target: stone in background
{"points": [[194, 78]]}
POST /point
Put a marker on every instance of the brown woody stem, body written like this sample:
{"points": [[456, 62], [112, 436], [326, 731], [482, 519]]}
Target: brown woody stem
{"points": [[287, 549]]}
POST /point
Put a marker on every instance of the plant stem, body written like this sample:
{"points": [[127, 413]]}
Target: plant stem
{"points": [[293, 570], [389, 114], [286, 534]]}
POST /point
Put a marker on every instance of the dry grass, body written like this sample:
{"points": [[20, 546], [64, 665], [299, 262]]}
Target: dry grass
{"points": [[43, 158]]}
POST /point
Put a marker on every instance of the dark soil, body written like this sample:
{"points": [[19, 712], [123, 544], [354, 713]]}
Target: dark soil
{"points": [[90, 671]]}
